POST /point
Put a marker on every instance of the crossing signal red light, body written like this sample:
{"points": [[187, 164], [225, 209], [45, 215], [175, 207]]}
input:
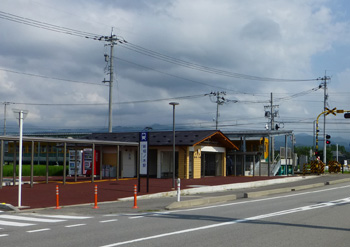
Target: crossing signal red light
{"points": [[328, 142]]}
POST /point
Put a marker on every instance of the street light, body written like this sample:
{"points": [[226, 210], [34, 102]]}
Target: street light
{"points": [[173, 104]]}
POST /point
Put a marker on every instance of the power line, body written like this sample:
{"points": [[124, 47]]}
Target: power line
{"points": [[48, 77], [140, 49], [46, 26], [103, 104], [160, 56]]}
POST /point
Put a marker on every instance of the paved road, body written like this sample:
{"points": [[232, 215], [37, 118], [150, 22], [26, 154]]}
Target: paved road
{"points": [[316, 217]]}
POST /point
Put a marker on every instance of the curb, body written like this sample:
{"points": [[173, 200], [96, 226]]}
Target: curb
{"points": [[281, 190], [218, 188], [202, 201], [8, 207], [344, 180]]}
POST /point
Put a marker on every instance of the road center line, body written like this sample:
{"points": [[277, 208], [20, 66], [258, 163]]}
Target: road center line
{"points": [[39, 230], [258, 217], [106, 221], [69, 226]]}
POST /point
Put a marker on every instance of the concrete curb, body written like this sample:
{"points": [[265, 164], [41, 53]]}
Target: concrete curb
{"points": [[219, 188], [344, 180], [8, 207], [202, 201], [281, 190]]}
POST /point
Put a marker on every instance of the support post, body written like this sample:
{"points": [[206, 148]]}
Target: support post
{"points": [[47, 163], [93, 164], [64, 162], [32, 166], [1, 163]]}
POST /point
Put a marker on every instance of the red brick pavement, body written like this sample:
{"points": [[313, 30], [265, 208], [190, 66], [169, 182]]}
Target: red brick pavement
{"points": [[44, 195]]}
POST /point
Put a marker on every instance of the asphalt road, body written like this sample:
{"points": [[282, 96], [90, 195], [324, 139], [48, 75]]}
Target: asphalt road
{"points": [[317, 217]]}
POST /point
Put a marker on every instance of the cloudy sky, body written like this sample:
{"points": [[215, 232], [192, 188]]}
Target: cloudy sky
{"points": [[176, 50]]}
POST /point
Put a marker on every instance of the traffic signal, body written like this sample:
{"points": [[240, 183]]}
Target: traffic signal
{"points": [[317, 153], [327, 139]]}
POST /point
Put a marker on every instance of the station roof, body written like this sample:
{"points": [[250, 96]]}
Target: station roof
{"points": [[257, 133], [165, 138], [69, 140]]}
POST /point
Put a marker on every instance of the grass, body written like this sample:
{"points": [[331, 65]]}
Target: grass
{"points": [[39, 170]]}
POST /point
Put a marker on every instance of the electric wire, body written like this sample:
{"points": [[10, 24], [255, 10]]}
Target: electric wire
{"points": [[140, 49], [49, 77]]}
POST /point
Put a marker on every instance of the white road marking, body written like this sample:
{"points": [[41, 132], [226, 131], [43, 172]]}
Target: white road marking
{"points": [[258, 217], [76, 225], [68, 217], [26, 218], [106, 221], [253, 201], [3, 235], [136, 217], [39, 230], [12, 223]]}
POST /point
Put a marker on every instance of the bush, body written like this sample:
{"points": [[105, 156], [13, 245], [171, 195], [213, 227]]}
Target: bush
{"points": [[39, 170]]}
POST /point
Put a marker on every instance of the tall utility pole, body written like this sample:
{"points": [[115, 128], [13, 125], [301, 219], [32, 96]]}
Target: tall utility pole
{"points": [[5, 105], [220, 100], [272, 128], [271, 112], [112, 40], [324, 84]]}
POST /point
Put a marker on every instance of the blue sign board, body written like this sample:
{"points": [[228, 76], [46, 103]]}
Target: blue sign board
{"points": [[143, 153]]}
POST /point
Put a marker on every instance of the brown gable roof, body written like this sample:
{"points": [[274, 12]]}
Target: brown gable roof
{"points": [[165, 138]]}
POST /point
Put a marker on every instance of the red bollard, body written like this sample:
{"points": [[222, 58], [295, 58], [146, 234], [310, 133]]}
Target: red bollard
{"points": [[57, 198], [95, 197], [135, 197]]}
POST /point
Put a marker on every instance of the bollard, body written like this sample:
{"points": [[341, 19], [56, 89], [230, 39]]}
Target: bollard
{"points": [[178, 190], [95, 197], [135, 197], [57, 198]]}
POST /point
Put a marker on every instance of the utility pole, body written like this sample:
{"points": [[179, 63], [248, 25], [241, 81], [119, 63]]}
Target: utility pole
{"points": [[5, 105], [324, 84], [220, 100], [271, 112], [112, 40], [272, 128]]}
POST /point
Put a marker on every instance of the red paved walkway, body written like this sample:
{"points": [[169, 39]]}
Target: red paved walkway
{"points": [[44, 195]]}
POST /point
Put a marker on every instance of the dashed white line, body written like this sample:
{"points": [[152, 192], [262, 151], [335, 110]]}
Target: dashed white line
{"points": [[3, 235], [136, 217], [39, 230], [68, 217], [106, 221], [75, 225], [26, 218], [10, 223]]}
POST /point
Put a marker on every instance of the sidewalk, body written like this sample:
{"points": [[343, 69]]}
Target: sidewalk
{"points": [[116, 197]]}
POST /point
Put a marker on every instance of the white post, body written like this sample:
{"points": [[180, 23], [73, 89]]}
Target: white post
{"points": [[178, 189], [20, 158]]}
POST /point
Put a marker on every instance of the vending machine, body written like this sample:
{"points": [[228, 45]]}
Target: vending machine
{"points": [[75, 158], [88, 159]]}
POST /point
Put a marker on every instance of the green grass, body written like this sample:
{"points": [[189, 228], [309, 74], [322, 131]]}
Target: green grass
{"points": [[39, 170]]}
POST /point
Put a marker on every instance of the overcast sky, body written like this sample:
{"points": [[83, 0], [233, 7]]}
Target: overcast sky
{"points": [[197, 47]]}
